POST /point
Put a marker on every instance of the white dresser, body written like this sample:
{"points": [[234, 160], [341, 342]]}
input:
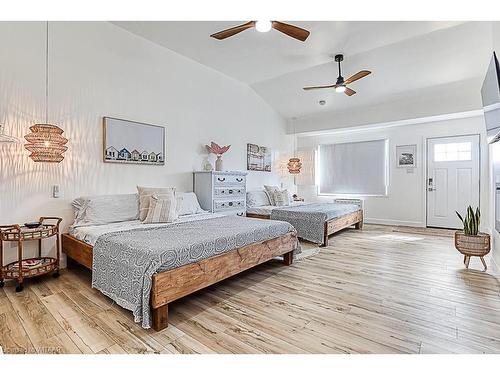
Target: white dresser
{"points": [[223, 192]]}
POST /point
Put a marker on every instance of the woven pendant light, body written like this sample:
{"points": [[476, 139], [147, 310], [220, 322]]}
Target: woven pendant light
{"points": [[45, 142], [294, 163]]}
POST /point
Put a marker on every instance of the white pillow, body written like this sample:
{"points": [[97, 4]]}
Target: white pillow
{"points": [[188, 204], [145, 193], [162, 210], [270, 190], [257, 199], [105, 209], [282, 198]]}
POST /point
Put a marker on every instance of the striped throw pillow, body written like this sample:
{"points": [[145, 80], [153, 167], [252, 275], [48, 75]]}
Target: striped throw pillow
{"points": [[282, 198], [145, 193], [161, 210]]}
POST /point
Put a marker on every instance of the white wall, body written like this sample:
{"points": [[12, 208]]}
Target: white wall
{"points": [[495, 156], [98, 69], [405, 202]]}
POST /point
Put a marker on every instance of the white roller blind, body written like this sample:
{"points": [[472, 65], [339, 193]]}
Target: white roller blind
{"points": [[353, 168]]}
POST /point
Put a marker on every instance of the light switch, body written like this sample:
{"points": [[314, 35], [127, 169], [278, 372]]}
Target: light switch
{"points": [[55, 191]]}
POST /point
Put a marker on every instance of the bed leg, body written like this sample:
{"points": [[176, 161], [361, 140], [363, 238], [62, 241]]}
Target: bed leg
{"points": [[160, 318], [359, 225], [288, 258]]}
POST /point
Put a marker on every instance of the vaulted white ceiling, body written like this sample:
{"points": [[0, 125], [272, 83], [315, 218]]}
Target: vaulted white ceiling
{"points": [[405, 58]]}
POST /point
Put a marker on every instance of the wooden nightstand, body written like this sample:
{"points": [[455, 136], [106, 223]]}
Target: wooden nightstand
{"points": [[32, 267]]}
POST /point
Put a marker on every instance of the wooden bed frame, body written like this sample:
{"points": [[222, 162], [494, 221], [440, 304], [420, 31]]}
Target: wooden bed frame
{"points": [[171, 285], [332, 225]]}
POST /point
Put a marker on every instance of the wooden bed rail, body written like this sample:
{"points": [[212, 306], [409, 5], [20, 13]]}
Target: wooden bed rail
{"points": [[171, 285]]}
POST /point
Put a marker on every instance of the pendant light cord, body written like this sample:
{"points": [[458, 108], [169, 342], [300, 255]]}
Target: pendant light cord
{"points": [[47, 73]]}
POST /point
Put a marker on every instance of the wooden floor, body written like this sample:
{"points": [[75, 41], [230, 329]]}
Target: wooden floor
{"points": [[370, 291]]}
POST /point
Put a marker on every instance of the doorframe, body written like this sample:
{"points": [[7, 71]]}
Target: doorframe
{"points": [[426, 176]]}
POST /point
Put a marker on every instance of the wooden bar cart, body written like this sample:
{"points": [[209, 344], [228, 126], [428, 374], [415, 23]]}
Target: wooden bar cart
{"points": [[22, 269]]}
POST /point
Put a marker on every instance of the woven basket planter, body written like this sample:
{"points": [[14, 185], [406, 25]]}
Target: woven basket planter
{"points": [[472, 246]]}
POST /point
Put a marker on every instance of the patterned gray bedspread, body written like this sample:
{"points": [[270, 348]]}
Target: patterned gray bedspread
{"points": [[124, 262], [309, 219]]}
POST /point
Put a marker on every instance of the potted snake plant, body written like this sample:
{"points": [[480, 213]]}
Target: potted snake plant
{"points": [[470, 241]]}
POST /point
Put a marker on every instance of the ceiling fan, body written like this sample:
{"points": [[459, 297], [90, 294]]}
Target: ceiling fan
{"points": [[341, 84], [263, 27]]}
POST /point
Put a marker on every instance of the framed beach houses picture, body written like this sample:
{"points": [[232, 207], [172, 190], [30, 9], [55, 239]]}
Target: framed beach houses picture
{"points": [[406, 156], [259, 158], [133, 142]]}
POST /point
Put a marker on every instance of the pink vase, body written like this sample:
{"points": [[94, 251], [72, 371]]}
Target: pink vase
{"points": [[218, 163]]}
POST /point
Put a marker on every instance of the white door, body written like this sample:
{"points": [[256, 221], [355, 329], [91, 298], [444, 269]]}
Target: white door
{"points": [[452, 179]]}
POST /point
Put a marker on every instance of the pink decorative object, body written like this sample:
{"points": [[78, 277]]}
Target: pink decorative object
{"points": [[214, 148]]}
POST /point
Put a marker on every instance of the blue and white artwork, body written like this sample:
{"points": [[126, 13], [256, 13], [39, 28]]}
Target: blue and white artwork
{"points": [[133, 142]]}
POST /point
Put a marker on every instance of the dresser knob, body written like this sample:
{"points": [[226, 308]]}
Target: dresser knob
{"points": [[221, 179], [239, 179]]}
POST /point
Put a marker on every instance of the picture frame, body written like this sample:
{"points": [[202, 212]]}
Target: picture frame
{"points": [[132, 142], [406, 156], [259, 158]]}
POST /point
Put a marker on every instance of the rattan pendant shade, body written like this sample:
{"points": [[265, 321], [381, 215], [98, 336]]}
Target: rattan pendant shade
{"points": [[294, 166], [46, 143]]}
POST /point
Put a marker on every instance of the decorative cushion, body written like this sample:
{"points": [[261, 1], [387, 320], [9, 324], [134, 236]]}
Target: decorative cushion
{"points": [[161, 210], [282, 198], [187, 204], [105, 209], [257, 199], [270, 190], [145, 193]]}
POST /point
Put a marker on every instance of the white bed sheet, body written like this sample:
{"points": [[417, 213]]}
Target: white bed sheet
{"points": [[91, 233], [266, 210]]}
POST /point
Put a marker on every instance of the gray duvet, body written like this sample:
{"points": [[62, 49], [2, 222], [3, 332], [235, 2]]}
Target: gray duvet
{"points": [[124, 262], [309, 220]]}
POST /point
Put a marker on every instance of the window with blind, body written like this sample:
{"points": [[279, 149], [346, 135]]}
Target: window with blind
{"points": [[353, 168]]}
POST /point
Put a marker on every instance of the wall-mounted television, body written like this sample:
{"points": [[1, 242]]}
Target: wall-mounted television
{"points": [[490, 93]]}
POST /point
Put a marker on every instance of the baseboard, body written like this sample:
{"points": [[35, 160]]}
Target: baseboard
{"points": [[417, 224]]}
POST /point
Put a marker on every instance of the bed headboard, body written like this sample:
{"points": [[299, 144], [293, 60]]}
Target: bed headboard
{"points": [[359, 202]]}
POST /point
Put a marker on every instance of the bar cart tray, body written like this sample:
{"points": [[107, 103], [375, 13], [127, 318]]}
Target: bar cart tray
{"points": [[46, 265]]}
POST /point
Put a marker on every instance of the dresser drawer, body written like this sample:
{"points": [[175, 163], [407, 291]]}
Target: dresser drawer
{"points": [[228, 205], [229, 180], [227, 192]]}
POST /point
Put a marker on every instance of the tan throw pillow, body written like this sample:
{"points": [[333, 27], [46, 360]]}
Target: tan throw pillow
{"points": [[270, 190], [145, 193], [282, 198], [161, 210]]}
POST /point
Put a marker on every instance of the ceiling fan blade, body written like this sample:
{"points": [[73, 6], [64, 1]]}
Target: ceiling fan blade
{"points": [[290, 30], [357, 76], [349, 92], [318, 87], [233, 30]]}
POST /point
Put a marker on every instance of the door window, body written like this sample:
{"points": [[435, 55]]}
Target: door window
{"points": [[453, 151]]}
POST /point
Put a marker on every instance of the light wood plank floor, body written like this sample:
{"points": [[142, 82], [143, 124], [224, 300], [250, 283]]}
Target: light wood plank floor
{"points": [[370, 291]]}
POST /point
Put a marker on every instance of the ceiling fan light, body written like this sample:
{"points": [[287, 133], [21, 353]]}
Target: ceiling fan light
{"points": [[340, 89], [263, 26]]}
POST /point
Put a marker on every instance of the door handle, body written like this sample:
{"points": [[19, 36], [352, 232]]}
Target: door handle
{"points": [[431, 189]]}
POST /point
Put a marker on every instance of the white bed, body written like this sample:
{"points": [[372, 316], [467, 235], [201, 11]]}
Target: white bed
{"points": [[266, 210], [90, 234]]}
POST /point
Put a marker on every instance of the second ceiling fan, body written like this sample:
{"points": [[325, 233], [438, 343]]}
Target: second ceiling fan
{"points": [[264, 26], [341, 84]]}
